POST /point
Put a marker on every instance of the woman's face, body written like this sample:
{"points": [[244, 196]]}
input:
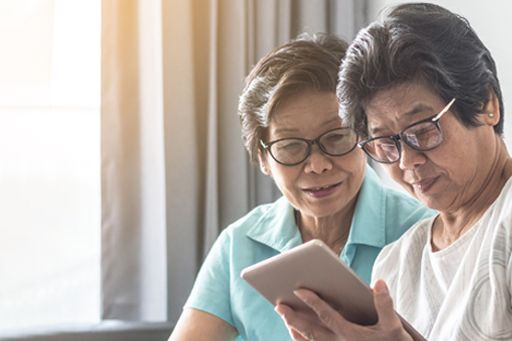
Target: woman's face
{"points": [[322, 185], [446, 177]]}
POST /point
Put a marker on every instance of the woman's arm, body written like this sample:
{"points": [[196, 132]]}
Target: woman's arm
{"points": [[198, 325]]}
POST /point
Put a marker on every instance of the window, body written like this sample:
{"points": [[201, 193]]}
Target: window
{"points": [[49, 163]]}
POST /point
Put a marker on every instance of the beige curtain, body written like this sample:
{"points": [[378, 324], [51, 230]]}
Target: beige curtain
{"points": [[174, 172]]}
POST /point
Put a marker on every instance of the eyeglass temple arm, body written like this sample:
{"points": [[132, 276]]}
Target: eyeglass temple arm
{"points": [[448, 106]]}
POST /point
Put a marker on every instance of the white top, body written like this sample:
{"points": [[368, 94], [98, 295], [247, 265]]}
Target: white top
{"points": [[462, 292]]}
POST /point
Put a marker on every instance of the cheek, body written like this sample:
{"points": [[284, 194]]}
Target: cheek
{"points": [[395, 173], [284, 177], [353, 165], [359, 169], [354, 162]]}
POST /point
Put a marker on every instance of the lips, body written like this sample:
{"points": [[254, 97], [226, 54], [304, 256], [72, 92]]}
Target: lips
{"points": [[424, 185], [322, 191]]}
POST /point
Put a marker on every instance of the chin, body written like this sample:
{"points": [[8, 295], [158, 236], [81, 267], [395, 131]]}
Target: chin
{"points": [[431, 202]]}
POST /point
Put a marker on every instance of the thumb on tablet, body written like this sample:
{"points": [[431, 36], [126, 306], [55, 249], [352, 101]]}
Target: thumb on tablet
{"points": [[384, 304]]}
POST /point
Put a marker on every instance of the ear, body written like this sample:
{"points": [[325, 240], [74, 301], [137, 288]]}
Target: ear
{"points": [[265, 169], [491, 111]]}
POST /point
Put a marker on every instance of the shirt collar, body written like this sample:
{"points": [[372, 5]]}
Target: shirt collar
{"points": [[276, 227], [369, 221]]}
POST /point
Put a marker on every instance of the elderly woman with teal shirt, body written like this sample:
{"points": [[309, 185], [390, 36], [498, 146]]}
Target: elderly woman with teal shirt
{"points": [[292, 130]]}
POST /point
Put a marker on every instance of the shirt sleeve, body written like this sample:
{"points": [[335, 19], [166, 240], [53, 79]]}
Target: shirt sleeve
{"points": [[211, 290]]}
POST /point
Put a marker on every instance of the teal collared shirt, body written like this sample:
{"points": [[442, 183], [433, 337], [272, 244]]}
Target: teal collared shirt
{"points": [[381, 216]]}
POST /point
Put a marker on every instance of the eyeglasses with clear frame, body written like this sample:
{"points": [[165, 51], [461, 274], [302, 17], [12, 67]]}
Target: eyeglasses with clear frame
{"points": [[423, 136], [295, 150]]}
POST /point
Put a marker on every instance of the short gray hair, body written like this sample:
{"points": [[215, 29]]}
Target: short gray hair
{"points": [[307, 63]]}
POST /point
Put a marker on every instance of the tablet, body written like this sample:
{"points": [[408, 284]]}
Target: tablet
{"points": [[314, 266]]}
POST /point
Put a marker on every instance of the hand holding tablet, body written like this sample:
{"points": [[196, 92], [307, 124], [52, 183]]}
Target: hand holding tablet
{"points": [[314, 266]]}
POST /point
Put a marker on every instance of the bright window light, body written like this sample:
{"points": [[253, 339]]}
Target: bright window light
{"points": [[49, 163]]}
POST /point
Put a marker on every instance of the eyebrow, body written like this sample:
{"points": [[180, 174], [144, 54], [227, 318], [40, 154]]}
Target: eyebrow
{"points": [[419, 108]]}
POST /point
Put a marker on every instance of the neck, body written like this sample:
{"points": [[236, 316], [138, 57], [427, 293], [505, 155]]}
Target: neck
{"points": [[332, 230], [451, 225]]}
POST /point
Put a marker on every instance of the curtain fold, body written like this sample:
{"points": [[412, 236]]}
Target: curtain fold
{"points": [[186, 106], [133, 265], [174, 171]]}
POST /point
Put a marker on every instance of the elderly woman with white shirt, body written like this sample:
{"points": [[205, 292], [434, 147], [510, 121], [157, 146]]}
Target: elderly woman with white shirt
{"points": [[422, 90]]}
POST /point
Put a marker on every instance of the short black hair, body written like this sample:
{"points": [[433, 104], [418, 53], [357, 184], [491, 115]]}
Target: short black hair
{"points": [[419, 42]]}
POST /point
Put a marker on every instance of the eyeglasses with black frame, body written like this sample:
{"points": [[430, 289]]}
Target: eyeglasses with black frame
{"points": [[422, 136], [294, 150]]}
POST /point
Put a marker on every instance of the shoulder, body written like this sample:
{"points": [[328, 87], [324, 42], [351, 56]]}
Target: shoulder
{"points": [[218, 288], [498, 217], [504, 200], [256, 233], [259, 217], [232, 250]]}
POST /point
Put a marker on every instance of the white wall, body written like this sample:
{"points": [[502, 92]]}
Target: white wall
{"points": [[492, 22]]}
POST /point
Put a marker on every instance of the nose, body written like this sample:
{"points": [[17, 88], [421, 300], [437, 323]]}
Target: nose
{"points": [[410, 158], [318, 162]]}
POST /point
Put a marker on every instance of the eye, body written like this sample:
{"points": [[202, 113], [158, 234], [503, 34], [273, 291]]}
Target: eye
{"points": [[423, 134], [337, 137], [334, 137], [382, 148], [386, 147], [422, 129], [289, 146]]}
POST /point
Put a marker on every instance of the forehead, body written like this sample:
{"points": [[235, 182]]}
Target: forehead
{"points": [[392, 109], [304, 112]]}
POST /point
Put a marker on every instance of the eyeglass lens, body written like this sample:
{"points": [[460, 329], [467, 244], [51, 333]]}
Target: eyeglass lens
{"points": [[422, 136]]}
